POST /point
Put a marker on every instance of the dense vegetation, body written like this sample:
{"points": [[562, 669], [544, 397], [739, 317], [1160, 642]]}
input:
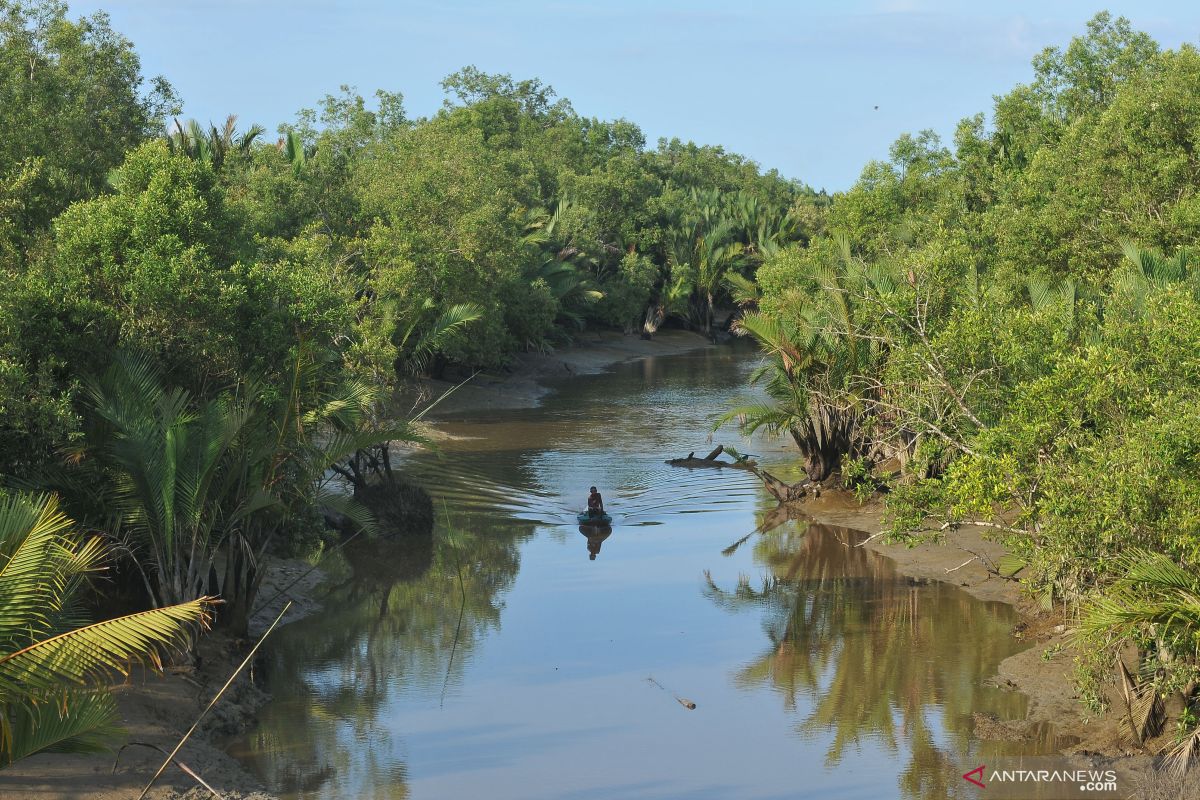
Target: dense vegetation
{"points": [[198, 324], [1008, 331]]}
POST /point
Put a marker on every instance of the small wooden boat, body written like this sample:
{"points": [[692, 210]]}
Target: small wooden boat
{"points": [[585, 519]]}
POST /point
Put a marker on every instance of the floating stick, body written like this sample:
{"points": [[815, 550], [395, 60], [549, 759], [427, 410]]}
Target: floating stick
{"points": [[683, 701]]}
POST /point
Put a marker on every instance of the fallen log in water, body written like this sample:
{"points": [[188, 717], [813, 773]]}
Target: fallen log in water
{"points": [[710, 460], [782, 491]]}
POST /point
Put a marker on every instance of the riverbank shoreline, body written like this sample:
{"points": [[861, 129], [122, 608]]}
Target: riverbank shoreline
{"points": [[1043, 671]]}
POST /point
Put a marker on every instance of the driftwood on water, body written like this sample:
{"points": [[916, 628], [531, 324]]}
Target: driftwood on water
{"points": [[782, 491], [711, 460]]}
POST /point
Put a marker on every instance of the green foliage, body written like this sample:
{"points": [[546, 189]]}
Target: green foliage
{"points": [[1155, 604], [858, 477], [1087, 75], [819, 354], [52, 665], [1125, 171], [193, 482], [626, 293], [169, 459], [162, 266], [1013, 321], [73, 102]]}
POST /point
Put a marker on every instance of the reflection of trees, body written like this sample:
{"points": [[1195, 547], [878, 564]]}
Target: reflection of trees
{"points": [[380, 632], [877, 656]]}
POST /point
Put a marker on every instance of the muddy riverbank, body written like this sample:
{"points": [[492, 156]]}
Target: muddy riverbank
{"points": [[525, 382]]}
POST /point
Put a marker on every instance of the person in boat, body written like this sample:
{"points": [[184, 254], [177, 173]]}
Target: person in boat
{"points": [[595, 504]]}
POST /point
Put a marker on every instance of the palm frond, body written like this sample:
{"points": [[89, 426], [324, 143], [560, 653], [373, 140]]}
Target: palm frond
{"points": [[1184, 755], [743, 290], [71, 722], [34, 566], [436, 335], [351, 509], [754, 416], [101, 650]]}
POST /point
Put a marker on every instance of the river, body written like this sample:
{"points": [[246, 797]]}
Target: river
{"points": [[514, 656]]}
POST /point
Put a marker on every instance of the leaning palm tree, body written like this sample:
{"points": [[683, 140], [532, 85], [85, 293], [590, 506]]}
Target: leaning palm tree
{"points": [[802, 398], [52, 666], [817, 363]]}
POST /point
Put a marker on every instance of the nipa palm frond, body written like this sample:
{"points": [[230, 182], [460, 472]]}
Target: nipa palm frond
{"points": [[443, 327], [35, 568], [71, 722], [97, 652]]}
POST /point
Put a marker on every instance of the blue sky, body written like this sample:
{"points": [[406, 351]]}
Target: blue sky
{"points": [[792, 85]]}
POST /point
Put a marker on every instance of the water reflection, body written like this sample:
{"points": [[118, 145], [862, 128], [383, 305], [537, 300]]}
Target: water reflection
{"points": [[388, 628], [595, 534], [871, 655], [493, 659]]}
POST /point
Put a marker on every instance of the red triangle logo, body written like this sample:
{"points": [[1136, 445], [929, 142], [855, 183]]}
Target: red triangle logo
{"points": [[978, 779]]}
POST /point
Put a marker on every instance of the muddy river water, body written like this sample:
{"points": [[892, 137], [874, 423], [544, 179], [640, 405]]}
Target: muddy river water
{"points": [[518, 656]]}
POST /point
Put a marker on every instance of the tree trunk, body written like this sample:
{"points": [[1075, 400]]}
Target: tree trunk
{"points": [[819, 465], [235, 614], [824, 439]]}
